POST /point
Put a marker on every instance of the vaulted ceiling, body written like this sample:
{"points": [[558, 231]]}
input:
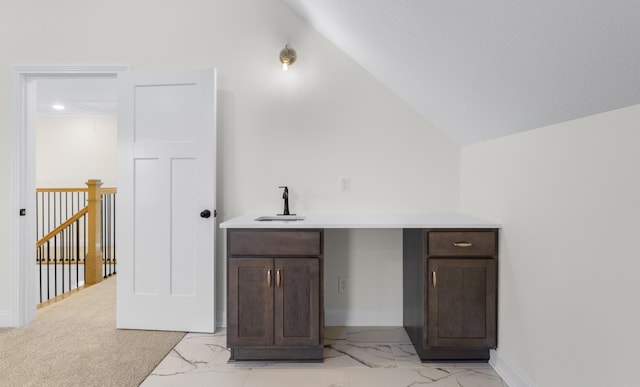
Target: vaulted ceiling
{"points": [[483, 69], [475, 69]]}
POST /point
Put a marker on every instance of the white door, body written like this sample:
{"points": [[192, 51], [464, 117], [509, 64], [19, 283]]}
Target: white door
{"points": [[166, 179]]}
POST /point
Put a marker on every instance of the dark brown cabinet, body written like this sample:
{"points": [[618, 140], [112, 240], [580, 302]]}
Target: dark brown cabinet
{"points": [[450, 292], [250, 302], [274, 294]]}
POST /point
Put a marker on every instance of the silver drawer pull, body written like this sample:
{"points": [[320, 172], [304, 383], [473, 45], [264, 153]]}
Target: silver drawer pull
{"points": [[268, 278], [462, 244]]}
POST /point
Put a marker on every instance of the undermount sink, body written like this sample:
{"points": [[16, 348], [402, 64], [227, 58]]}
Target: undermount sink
{"points": [[279, 218]]}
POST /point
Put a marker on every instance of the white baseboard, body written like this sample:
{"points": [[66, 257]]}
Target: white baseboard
{"points": [[351, 317], [511, 374], [6, 319]]}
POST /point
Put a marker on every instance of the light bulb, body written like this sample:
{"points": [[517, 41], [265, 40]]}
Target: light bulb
{"points": [[287, 57]]}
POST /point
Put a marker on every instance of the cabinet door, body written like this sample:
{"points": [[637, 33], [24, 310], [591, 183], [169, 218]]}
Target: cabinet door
{"points": [[461, 296], [297, 301], [250, 301]]}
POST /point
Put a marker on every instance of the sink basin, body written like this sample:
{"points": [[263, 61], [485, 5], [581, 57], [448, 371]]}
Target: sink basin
{"points": [[286, 218]]}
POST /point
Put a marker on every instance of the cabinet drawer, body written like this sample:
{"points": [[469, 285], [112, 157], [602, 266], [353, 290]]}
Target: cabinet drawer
{"points": [[278, 243], [462, 243]]}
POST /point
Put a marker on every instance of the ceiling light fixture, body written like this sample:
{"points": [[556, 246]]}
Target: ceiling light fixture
{"points": [[57, 107], [287, 57]]}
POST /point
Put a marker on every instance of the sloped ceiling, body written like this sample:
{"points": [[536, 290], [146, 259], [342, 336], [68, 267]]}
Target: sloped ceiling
{"points": [[483, 69]]}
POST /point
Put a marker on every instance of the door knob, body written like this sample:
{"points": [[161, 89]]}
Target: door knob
{"points": [[205, 214]]}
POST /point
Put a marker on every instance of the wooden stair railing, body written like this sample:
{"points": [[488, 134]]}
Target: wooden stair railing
{"points": [[61, 245], [93, 260], [82, 238], [61, 227]]}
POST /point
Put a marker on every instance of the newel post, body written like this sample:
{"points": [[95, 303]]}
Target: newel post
{"points": [[93, 261]]}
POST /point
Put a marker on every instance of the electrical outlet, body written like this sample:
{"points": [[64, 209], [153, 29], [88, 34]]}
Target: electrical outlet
{"points": [[345, 183], [342, 284]]}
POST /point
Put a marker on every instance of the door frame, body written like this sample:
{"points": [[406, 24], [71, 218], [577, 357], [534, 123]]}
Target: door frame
{"points": [[22, 179]]}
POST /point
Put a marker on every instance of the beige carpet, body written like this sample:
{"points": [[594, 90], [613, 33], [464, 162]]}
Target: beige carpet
{"points": [[75, 342]]}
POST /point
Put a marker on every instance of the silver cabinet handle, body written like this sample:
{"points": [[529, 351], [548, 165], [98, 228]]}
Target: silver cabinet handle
{"points": [[462, 244], [268, 278], [434, 279], [278, 278]]}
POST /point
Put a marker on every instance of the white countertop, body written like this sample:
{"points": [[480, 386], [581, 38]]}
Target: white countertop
{"points": [[425, 220]]}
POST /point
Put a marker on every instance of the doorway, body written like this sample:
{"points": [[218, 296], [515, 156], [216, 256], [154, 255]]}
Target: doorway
{"points": [[76, 140], [23, 174]]}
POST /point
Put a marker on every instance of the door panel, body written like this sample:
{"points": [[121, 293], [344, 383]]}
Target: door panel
{"points": [[184, 225], [462, 305], [297, 301], [147, 176], [166, 176], [463, 291], [250, 305], [171, 107]]}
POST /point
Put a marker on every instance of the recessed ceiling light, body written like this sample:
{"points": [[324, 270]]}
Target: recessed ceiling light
{"points": [[58, 107]]}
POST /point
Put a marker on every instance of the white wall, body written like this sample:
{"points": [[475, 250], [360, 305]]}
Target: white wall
{"points": [[71, 150], [369, 261], [568, 197], [324, 118]]}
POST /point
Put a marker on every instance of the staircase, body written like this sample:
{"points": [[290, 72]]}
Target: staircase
{"points": [[76, 243]]}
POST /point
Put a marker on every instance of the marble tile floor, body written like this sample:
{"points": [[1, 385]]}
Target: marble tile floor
{"points": [[353, 357]]}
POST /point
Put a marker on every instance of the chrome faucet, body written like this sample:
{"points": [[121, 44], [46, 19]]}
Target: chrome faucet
{"points": [[285, 196]]}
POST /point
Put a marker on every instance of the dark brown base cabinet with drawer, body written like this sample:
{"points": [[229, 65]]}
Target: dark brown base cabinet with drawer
{"points": [[450, 292], [274, 294]]}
